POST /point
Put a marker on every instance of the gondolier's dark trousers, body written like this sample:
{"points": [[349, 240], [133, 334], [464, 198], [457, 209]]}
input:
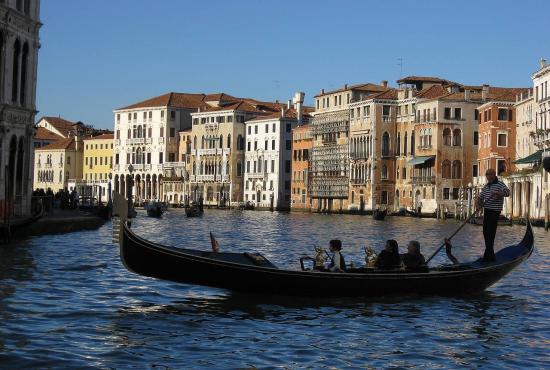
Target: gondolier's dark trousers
{"points": [[490, 222]]}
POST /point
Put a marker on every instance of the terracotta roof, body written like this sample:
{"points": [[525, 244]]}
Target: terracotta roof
{"points": [[288, 114], [362, 87], [102, 137], [219, 97], [417, 79], [493, 94], [62, 125], [44, 134], [172, 99], [61, 144], [432, 92], [388, 94]]}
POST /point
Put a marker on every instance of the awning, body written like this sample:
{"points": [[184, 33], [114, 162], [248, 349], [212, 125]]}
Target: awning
{"points": [[420, 160], [535, 157]]}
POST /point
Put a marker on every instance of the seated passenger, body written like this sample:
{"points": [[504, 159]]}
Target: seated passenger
{"points": [[337, 263], [413, 259], [389, 258]]}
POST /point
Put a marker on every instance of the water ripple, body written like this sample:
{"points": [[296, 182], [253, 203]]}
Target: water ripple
{"points": [[66, 301]]}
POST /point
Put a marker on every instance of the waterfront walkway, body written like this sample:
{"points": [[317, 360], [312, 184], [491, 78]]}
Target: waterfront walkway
{"points": [[64, 221]]}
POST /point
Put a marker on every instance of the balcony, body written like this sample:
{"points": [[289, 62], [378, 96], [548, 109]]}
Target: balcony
{"points": [[420, 180], [148, 140], [116, 167], [255, 175], [386, 119], [200, 178], [211, 151], [160, 140], [117, 142], [135, 141]]}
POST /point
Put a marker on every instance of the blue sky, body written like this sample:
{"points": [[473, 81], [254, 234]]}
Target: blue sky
{"points": [[99, 55]]}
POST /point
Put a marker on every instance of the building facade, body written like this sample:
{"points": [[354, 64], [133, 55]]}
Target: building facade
{"points": [[268, 157], [146, 137], [58, 164], [302, 143], [19, 45]]}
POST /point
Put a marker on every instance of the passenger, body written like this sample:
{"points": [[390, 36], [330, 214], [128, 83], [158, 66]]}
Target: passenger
{"points": [[413, 259], [389, 257], [337, 263]]}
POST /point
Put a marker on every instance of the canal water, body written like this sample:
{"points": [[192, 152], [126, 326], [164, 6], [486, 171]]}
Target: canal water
{"points": [[66, 301]]}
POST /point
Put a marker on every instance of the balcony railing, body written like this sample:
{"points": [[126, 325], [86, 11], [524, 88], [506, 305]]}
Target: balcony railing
{"points": [[135, 141], [160, 140], [255, 175], [423, 179]]}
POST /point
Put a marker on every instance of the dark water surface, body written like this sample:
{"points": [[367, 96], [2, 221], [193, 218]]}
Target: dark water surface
{"points": [[66, 301]]}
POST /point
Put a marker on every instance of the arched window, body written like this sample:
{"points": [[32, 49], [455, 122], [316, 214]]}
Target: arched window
{"points": [[24, 63], [221, 141], [139, 131], [229, 141], [412, 142], [447, 136], [446, 170], [240, 142], [195, 142], [398, 145], [202, 142], [457, 170], [457, 140], [384, 172], [15, 76], [138, 155], [405, 143], [239, 168], [385, 144]]}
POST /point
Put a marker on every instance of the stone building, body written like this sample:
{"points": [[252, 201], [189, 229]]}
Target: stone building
{"points": [[302, 143], [19, 44], [269, 155], [146, 137], [329, 171]]}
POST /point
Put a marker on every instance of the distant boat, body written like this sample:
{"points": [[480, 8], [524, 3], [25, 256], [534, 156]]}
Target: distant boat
{"points": [[154, 209], [247, 206], [194, 210], [378, 214]]}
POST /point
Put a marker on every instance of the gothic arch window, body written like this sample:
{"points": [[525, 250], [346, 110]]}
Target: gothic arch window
{"points": [[240, 143], [24, 67], [457, 170], [221, 141], [229, 141], [457, 139], [405, 143], [447, 136], [385, 144], [195, 142], [446, 169], [384, 172], [398, 144], [15, 75]]}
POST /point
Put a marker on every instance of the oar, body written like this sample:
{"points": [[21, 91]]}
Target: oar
{"points": [[456, 232]]}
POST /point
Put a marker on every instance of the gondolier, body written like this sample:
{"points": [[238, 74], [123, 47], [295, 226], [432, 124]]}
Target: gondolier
{"points": [[491, 199]]}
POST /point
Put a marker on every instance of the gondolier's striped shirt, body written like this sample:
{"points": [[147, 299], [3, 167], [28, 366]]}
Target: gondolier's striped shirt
{"points": [[495, 203]]}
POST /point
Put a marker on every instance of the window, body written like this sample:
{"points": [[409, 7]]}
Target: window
{"points": [[501, 166], [273, 144], [255, 145], [256, 129], [476, 138], [475, 171], [384, 197], [455, 193], [288, 127], [502, 139], [161, 158], [172, 132], [384, 172], [172, 115], [446, 170], [446, 192], [287, 166], [385, 144], [476, 114], [265, 145], [247, 166], [447, 136], [447, 114], [239, 169], [248, 146], [162, 132], [272, 166], [502, 114], [266, 128], [404, 174], [458, 113], [288, 145], [274, 128], [457, 140], [457, 170]]}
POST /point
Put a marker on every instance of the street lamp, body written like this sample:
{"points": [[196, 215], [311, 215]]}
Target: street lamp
{"points": [[130, 186]]}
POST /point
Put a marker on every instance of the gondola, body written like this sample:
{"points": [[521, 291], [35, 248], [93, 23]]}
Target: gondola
{"points": [[194, 210], [154, 209], [254, 273], [379, 215]]}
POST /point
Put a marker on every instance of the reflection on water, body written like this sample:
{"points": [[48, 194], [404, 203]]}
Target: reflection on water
{"points": [[71, 303]]}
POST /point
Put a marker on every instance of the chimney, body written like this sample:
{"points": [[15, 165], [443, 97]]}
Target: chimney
{"points": [[298, 103], [542, 63], [289, 104], [384, 83], [322, 91], [467, 95], [484, 92], [345, 86], [76, 143], [282, 111]]}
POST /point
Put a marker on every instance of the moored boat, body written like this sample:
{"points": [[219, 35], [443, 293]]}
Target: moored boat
{"points": [[378, 214], [194, 210], [154, 209]]}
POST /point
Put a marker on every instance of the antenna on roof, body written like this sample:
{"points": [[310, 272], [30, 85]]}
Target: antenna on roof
{"points": [[400, 64]]}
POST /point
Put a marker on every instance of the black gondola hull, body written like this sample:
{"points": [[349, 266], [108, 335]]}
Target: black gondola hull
{"points": [[237, 272]]}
